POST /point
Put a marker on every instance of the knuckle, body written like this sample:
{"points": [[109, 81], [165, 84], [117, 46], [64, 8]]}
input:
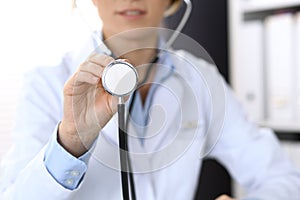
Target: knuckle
{"points": [[83, 65], [109, 59], [68, 88], [103, 59]]}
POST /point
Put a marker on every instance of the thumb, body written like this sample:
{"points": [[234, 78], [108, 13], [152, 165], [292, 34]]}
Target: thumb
{"points": [[224, 197]]}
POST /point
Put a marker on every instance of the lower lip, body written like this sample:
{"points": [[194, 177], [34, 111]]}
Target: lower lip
{"points": [[132, 17]]}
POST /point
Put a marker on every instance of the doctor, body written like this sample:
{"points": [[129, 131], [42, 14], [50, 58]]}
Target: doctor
{"points": [[66, 132]]}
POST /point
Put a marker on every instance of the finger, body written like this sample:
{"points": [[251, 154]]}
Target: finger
{"points": [[86, 77], [224, 197], [92, 68], [100, 59]]}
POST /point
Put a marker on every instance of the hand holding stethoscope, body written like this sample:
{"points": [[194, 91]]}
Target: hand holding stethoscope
{"points": [[80, 90], [87, 105]]}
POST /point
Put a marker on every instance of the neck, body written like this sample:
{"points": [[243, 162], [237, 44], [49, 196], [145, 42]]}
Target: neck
{"points": [[137, 45], [139, 48], [140, 58]]}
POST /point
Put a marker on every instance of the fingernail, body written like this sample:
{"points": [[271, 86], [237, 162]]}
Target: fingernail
{"points": [[125, 60]]}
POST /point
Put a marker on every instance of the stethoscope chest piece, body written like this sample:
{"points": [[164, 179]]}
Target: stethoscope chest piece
{"points": [[119, 78]]}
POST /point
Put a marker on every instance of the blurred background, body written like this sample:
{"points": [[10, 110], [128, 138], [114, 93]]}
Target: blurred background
{"points": [[34, 33], [254, 43]]}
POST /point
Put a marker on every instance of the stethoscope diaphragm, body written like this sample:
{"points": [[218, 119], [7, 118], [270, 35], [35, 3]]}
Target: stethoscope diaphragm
{"points": [[119, 78]]}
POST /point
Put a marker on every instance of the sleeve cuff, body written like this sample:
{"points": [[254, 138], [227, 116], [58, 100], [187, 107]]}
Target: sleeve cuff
{"points": [[66, 169]]}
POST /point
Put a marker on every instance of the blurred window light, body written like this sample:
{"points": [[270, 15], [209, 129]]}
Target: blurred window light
{"points": [[35, 33]]}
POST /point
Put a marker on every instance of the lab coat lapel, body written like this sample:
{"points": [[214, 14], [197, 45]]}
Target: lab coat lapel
{"points": [[164, 115]]}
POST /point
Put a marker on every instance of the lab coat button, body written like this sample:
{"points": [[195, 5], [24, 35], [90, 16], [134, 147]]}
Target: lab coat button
{"points": [[69, 182], [189, 125], [75, 173]]}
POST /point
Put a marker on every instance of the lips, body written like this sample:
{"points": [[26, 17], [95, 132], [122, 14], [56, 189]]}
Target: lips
{"points": [[131, 13]]}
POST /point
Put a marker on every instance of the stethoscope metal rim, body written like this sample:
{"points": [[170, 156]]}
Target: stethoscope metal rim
{"points": [[108, 67]]}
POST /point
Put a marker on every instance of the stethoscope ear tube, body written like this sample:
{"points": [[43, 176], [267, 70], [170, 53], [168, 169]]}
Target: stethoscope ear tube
{"points": [[181, 24]]}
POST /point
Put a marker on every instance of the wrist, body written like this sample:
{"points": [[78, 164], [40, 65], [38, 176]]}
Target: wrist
{"points": [[71, 141], [67, 128]]}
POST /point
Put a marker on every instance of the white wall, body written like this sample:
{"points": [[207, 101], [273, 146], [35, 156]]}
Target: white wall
{"points": [[33, 32]]}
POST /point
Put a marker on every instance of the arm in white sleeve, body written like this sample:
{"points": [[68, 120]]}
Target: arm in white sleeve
{"points": [[254, 157], [23, 171]]}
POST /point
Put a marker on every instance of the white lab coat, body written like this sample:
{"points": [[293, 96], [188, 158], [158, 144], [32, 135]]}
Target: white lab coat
{"points": [[252, 156]]}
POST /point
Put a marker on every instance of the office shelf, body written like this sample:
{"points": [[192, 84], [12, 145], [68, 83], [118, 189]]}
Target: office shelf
{"points": [[257, 12], [282, 127], [265, 6]]}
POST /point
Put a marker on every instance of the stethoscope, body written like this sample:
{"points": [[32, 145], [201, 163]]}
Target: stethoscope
{"points": [[120, 79]]}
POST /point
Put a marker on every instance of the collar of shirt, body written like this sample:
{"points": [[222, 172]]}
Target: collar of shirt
{"points": [[140, 113]]}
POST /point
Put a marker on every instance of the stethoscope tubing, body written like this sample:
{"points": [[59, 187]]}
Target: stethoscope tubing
{"points": [[123, 140]]}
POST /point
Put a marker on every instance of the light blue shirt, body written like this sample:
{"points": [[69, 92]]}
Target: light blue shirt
{"points": [[65, 168]]}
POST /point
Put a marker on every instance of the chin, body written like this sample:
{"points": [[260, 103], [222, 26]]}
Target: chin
{"points": [[131, 39], [138, 33]]}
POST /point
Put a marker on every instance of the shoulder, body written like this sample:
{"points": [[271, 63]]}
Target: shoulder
{"points": [[54, 75], [191, 65], [198, 72]]}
